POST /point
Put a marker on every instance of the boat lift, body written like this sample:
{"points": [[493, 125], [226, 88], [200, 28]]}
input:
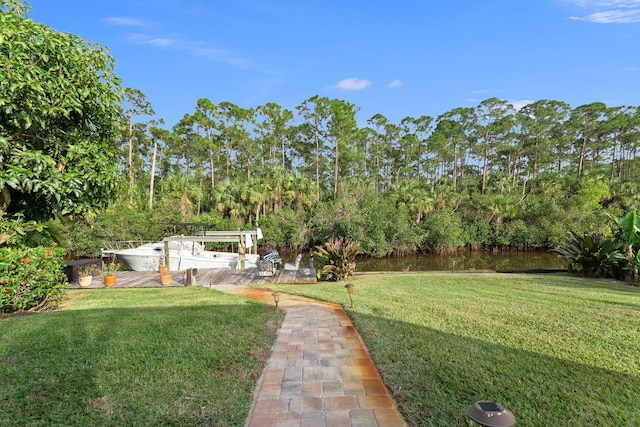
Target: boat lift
{"points": [[246, 240]]}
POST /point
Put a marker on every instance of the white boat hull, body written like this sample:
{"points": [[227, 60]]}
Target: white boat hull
{"points": [[181, 257]]}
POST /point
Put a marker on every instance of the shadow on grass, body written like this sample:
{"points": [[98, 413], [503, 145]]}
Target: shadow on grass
{"points": [[436, 376], [193, 365]]}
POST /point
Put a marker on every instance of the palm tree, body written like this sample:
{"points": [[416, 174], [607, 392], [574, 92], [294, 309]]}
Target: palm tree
{"points": [[256, 193], [413, 195]]}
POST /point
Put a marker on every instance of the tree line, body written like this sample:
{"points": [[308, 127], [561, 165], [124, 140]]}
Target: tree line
{"points": [[489, 176], [323, 142]]}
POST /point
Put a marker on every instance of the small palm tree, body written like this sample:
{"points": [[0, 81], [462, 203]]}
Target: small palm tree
{"points": [[338, 259]]}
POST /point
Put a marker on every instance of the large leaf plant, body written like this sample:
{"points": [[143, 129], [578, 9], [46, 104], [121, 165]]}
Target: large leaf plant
{"points": [[337, 258]]}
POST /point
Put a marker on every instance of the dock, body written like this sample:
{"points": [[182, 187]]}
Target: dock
{"points": [[204, 277]]}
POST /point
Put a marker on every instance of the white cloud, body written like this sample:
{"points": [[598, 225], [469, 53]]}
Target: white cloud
{"points": [[219, 55], [141, 38], [353, 84], [395, 83], [163, 42], [608, 11], [606, 3], [611, 17], [124, 21], [193, 47]]}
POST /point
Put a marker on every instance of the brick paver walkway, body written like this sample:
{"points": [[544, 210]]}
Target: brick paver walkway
{"points": [[319, 373]]}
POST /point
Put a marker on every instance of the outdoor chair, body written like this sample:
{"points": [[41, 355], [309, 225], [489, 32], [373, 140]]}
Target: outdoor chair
{"points": [[295, 265]]}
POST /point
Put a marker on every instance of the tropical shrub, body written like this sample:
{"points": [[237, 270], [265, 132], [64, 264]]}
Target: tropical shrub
{"points": [[31, 279], [385, 227], [477, 232], [443, 232], [337, 258], [629, 235], [593, 255], [283, 229], [517, 233]]}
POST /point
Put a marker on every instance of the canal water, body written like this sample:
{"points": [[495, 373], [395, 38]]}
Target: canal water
{"points": [[465, 260], [461, 261]]}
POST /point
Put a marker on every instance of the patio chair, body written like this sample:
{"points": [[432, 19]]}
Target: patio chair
{"points": [[295, 265]]}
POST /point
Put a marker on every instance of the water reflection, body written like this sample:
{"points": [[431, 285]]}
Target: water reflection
{"points": [[468, 260], [465, 260]]}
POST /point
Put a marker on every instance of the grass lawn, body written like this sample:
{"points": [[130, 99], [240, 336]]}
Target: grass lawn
{"points": [[123, 357], [554, 349]]}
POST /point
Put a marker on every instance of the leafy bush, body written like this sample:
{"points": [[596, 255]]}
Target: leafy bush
{"points": [[31, 278], [337, 258], [517, 233], [444, 232], [477, 232], [283, 229], [629, 235], [593, 255]]}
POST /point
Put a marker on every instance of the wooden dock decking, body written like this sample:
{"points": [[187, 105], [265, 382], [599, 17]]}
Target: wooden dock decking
{"points": [[205, 277]]}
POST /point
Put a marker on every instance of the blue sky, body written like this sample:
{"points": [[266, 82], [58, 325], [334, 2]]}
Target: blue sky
{"points": [[400, 58]]}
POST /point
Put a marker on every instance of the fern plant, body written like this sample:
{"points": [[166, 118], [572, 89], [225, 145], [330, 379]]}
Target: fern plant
{"points": [[337, 258]]}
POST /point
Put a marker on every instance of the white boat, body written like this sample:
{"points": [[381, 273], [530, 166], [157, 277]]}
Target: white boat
{"points": [[184, 253]]}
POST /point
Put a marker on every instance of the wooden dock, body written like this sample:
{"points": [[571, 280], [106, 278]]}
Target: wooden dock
{"points": [[210, 277]]}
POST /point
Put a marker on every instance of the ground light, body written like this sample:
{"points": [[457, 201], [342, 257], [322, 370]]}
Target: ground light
{"points": [[276, 298], [491, 414], [350, 287]]}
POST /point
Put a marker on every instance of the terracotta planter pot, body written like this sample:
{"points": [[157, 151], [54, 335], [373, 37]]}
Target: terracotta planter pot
{"points": [[110, 280], [85, 281], [165, 279], [162, 269]]}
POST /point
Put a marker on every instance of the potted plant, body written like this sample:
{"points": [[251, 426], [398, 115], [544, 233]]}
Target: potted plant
{"points": [[85, 274], [161, 266], [165, 278], [109, 274]]}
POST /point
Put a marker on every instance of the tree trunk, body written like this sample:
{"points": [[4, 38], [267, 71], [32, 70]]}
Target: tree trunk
{"points": [[212, 165], [335, 169], [282, 145], [455, 166], [5, 198], [153, 173], [211, 161], [484, 171], [131, 179], [583, 150], [317, 167]]}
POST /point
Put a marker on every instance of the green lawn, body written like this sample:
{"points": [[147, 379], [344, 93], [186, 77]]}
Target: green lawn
{"points": [[152, 357], [555, 350]]}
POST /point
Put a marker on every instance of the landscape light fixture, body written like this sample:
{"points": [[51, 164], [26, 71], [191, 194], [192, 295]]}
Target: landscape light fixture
{"points": [[349, 287], [491, 414], [276, 298]]}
